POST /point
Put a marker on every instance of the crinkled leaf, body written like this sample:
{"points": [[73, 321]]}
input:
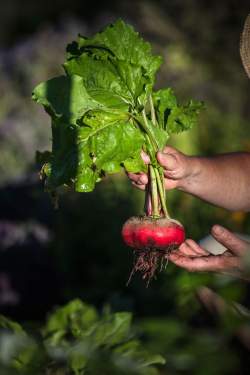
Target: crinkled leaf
{"points": [[121, 41], [65, 98], [110, 138], [93, 109], [164, 101], [135, 79], [184, 117], [113, 83], [118, 44], [100, 144], [101, 80], [135, 164], [61, 167], [172, 117]]}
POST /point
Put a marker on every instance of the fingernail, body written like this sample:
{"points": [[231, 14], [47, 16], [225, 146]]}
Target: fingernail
{"points": [[217, 229]]}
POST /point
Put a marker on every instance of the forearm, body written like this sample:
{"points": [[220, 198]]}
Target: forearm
{"points": [[223, 180]]}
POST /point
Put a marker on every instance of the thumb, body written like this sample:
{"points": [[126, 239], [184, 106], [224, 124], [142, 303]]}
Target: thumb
{"points": [[167, 160], [233, 243], [174, 163]]}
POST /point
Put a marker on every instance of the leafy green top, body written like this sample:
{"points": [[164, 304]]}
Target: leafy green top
{"points": [[98, 109], [77, 340]]}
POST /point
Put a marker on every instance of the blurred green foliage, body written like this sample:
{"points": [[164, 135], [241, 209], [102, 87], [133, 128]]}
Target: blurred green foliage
{"points": [[76, 340]]}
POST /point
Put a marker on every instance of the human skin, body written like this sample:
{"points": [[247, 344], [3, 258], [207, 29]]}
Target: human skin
{"points": [[222, 180], [194, 258]]}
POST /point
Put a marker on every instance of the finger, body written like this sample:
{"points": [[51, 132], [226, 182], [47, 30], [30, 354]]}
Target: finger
{"points": [[170, 184], [145, 157], [138, 178], [201, 264], [168, 161], [175, 164], [191, 248], [197, 248], [233, 243], [186, 250], [141, 187]]}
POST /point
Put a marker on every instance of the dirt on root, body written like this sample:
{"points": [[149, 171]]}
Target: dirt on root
{"points": [[148, 262]]}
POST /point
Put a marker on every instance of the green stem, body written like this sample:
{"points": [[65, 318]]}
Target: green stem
{"points": [[161, 193], [148, 131], [152, 156], [163, 182], [144, 125], [152, 110], [154, 193]]}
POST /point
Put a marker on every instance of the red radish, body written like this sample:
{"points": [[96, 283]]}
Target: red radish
{"points": [[152, 239], [155, 234], [146, 233]]}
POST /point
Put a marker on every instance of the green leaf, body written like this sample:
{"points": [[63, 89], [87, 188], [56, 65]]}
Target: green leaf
{"points": [[76, 340], [153, 360], [159, 135], [31, 359], [65, 98], [119, 40], [164, 101], [113, 329], [100, 144], [73, 319], [184, 117], [173, 117], [77, 359], [101, 80], [114, 83], [11, 326], [18, 350], [119, 45], [96, 109], [141, 360], [135, 164]]}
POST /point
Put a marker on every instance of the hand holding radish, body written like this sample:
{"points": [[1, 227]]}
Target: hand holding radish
{"points": [[178, 168], [194, 258], [222, 180]]}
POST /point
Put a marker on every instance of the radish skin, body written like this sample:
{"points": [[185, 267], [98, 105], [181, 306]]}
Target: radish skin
{"points": [[146, 233], [152, 239]]}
